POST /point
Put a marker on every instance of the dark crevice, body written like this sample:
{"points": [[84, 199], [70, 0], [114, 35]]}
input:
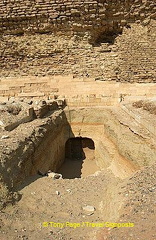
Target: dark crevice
{"points": [[106, 37], [76, 151]]}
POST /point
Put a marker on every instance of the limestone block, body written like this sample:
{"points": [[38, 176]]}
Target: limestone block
{"points": [[41, 111], [53, 105]]}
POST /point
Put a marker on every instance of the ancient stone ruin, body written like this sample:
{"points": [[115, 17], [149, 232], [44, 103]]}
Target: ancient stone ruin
{"points": [[77, 119]]}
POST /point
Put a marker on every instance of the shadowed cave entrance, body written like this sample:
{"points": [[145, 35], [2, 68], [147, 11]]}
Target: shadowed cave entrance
{"points": [[79, 158]]}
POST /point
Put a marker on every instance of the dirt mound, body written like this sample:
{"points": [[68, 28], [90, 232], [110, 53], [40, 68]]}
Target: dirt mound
{"points": [[146, 105]]}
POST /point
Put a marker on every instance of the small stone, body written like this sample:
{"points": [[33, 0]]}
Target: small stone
{"points": [[57, 192], [2, 103], [4, 137], [1, 123], [24, 237], [89, 208], [54, 175], [89, 214], [50, 233], [33, 193], [12, 100], [68, 190], [30, 102], [43, 102], [146, 21]]}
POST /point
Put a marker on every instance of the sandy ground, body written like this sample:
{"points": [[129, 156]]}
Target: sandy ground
{"points": [[61, 201], [73, 168]]}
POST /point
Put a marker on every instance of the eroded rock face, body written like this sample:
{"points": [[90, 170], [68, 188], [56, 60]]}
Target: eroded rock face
{"points": [[19, 148]]}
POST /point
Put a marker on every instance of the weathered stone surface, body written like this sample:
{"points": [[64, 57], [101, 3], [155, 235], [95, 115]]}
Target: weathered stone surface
{"points": [[46, 36]]}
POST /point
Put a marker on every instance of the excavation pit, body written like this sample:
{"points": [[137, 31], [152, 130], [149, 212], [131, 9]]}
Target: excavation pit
{"points": [[97, 150], [77, 143]]}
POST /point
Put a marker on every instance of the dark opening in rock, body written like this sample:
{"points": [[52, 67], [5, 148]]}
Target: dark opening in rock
{"points": [[106, 37], [79, 158]]}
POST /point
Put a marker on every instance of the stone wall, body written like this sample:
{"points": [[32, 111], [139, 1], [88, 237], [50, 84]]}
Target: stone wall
{"points": [[106, 40], [17, 16], [77, 92]]}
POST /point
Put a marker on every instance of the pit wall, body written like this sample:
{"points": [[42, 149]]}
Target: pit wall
{"points": [[51, 152], [117, 147], [38, 150], [106, 40], [91, 125], [133, 140]]}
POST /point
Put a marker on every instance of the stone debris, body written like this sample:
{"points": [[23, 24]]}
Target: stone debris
{"points": [[68, 190], [15, 113], [1, 123], [33, 193], [5, 137], [89, 208], [57, 192], [50, 174], [54, 175]]}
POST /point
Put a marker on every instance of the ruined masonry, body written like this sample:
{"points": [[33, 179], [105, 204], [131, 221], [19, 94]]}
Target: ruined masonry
{"points": [[104, 40]]}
